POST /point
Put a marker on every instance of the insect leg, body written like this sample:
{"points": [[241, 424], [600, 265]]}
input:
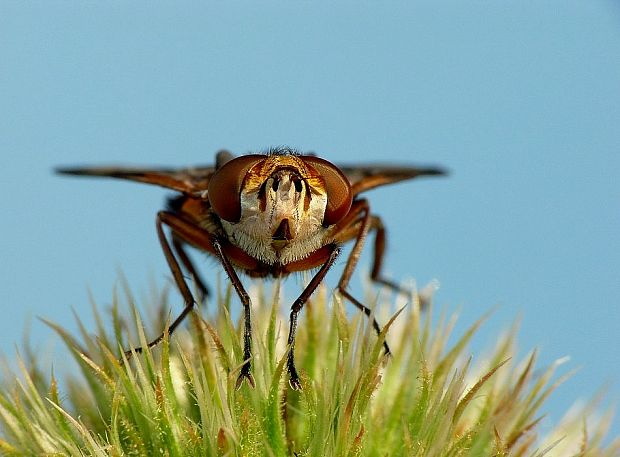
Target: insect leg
{"points": [[357, 226], [245, 300], [190, 233], [179, 247], [379, 252], [296, 308], [177, 273]]}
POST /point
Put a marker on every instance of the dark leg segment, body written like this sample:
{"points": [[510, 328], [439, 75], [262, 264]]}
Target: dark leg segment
{"points": [[177, 274], [245, 300], [187, 232], [296, 308], [179, 247]]}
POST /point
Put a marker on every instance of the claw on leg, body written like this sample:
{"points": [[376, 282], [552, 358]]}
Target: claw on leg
{"points": [[293, 380], [333, 252], [245, 375]]}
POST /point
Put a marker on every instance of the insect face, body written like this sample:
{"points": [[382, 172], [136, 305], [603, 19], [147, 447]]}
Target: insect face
{"points": [[283, 204]]}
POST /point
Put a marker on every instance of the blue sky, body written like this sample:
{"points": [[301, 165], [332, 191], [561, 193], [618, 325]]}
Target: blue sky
{"points": [[519, 99]]}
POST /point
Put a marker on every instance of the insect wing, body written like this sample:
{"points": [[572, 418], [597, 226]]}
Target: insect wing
{"points": [[366, 177], [194, 180]]}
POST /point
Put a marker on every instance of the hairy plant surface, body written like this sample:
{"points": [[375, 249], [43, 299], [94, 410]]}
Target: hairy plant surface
{"points": [[428, 399]]}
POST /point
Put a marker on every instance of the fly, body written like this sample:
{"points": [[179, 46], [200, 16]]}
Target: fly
{"points": [[267, 215]]}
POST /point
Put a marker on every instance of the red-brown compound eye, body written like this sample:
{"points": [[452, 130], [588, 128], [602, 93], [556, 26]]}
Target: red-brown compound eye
{"points": [[337, 186], [225, 186]]}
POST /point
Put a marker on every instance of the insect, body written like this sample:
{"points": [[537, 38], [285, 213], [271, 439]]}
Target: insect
{"points": [[267, 215]]}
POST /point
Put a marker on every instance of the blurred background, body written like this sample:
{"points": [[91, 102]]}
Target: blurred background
{"points": [[519, 99]]}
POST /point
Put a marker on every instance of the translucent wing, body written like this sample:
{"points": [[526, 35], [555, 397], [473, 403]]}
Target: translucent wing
{"points": [[187, 180], [366, 177]]}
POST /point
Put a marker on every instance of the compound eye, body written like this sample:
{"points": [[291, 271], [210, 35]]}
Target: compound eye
{"points": [[337, 186], [225, 186]]}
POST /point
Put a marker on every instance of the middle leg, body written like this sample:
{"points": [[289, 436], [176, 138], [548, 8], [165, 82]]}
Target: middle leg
{"points": [[179, 247], [356, 226]]}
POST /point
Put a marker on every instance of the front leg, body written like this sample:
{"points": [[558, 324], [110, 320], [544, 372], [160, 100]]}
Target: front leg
{"points": [[334, 250], [195, 235], [246, 372]]}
